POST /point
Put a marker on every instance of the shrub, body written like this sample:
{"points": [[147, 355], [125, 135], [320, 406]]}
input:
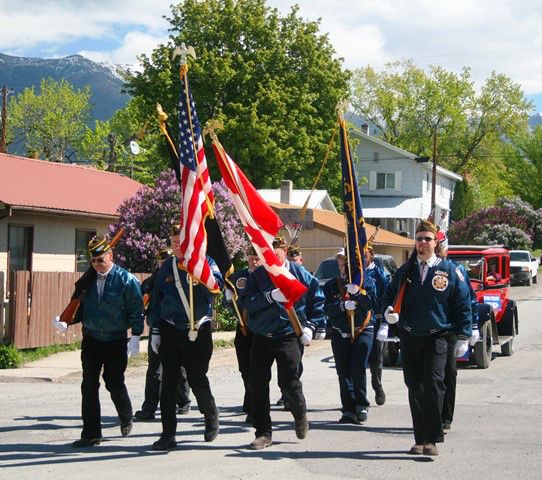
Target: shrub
{"points": [[225, 318], [10, 357]]}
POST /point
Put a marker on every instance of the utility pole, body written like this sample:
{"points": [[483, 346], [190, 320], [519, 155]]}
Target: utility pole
{"points": [[5, 92], [434, 177]]}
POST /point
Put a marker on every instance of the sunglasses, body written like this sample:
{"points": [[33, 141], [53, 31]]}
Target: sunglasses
{"points": [[97, 260], [424, 239]]}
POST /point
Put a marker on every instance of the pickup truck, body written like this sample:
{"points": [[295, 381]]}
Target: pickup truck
{"points": [[523, 267]]}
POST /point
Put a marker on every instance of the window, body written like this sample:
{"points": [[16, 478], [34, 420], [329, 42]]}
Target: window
{"points": [[82, 237], [427, 182], [385, 181], [20, 246], [375, 156]]}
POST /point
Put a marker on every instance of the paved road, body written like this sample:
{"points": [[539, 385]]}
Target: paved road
{"points": [[496, 434]]}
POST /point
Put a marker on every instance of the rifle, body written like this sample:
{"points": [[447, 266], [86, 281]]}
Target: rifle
{"points": [[406, 278], [82, 285]]}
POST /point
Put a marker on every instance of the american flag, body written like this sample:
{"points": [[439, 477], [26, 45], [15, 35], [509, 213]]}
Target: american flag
{"points": [[261, 225], [197, 195]]}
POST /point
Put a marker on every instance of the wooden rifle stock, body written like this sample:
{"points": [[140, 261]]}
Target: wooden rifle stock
{"points": [[362, 327], [83, 284], [296, 324], [146, 300]]}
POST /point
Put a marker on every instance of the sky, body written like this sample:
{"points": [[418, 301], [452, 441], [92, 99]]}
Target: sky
{"points": [[485, 35]]}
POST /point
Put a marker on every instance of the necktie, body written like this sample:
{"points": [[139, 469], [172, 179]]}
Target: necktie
{"points": [[423, 270]]}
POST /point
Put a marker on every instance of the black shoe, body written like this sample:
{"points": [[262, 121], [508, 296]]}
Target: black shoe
{"points": [[380, 396], [211, 426], [143, 415], [362, 415], [446, 426], [349, 417], [184, 410], [164, 443], [260, 442], [86, 442], [126, 428], [301, 427]]}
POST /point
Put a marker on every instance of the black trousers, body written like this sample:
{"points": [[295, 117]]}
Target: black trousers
{"points": [[153, 383], [242, 350], [450, 381], [375, 359], [424, 359], [176, 348], [284, 395], [112, 357], [287, 354]]}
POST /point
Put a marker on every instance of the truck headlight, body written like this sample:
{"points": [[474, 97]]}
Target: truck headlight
{"points": [[524, 269]]}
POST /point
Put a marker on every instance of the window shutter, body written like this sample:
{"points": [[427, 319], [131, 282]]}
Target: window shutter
{"points": [[398, 176], [372, 180]]}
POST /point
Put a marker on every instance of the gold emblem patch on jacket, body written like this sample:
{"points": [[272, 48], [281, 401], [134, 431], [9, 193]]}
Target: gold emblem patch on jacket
{"points": [[241, 283], [440, 282]]}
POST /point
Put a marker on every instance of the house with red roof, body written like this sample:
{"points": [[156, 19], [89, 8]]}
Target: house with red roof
{"points": [[49, 211]]}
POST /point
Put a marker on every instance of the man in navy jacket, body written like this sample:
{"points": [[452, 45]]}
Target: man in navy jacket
{"points": [[435, 305]]}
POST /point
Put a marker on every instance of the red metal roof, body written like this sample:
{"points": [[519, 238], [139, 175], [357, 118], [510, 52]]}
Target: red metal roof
{"points": [[25, 182]]}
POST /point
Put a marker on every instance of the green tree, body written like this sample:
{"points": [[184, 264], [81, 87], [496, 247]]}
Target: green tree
{"points": [[273, 81], [525, 166], [408, 106], [51, 123], [462, 202], [128, 123]]}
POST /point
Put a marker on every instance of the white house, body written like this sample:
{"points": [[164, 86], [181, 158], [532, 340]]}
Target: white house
{"points": [[397, 190]]}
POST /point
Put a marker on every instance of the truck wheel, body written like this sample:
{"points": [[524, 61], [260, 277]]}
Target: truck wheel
{"points": [[483, 350], [508, 348], [390, 354]]}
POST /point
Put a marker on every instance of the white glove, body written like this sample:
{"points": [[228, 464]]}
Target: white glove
{"points": [[475, 336], [349, 305], [320, 335], [229, 295], [382, 333], [391, 317], [155, 342], [461, 347], [278, 296], [307, 336], [192, 335], [352, 288], [133, 346], [60, 326]]}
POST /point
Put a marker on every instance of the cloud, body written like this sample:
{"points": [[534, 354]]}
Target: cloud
{"points": [[133, 44]]}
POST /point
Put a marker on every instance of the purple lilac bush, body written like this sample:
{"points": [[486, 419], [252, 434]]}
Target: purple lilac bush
{"points": [[148, 215]]}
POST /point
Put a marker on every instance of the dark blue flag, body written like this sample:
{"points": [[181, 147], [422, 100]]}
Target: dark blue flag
{"points": [[355, 229]]}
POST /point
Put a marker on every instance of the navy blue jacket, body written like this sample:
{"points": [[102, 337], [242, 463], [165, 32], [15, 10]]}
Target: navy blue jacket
{"points": [[120, 308], [166, 304], [441, 303], [382, 280], [334, 305], [269, 318]]}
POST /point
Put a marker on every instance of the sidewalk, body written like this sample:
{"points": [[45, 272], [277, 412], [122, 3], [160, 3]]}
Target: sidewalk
{"points": [[59, 365]]}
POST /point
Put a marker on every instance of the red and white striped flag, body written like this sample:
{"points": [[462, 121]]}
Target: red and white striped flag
{"points": [[261, 224], [197, 194]]}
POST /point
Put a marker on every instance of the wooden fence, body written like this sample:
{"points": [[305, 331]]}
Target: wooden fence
{"points": [[34, 300]]}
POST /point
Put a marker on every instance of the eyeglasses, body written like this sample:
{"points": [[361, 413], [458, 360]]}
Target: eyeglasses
{"points": [[97, 260], [424, 239]]}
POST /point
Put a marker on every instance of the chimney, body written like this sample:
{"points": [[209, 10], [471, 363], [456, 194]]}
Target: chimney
{"points": [[286, 187], [365, 129]]}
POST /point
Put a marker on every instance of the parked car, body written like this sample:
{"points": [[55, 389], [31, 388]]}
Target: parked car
{"points": [[523, 267], [329, 268]]}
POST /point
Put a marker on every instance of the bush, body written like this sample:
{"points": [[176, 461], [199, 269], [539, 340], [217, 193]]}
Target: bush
{"points": [[10, 357], [225, 318]]}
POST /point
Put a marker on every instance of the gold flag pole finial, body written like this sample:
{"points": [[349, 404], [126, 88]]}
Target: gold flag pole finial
{"points": [[211, 127]]}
